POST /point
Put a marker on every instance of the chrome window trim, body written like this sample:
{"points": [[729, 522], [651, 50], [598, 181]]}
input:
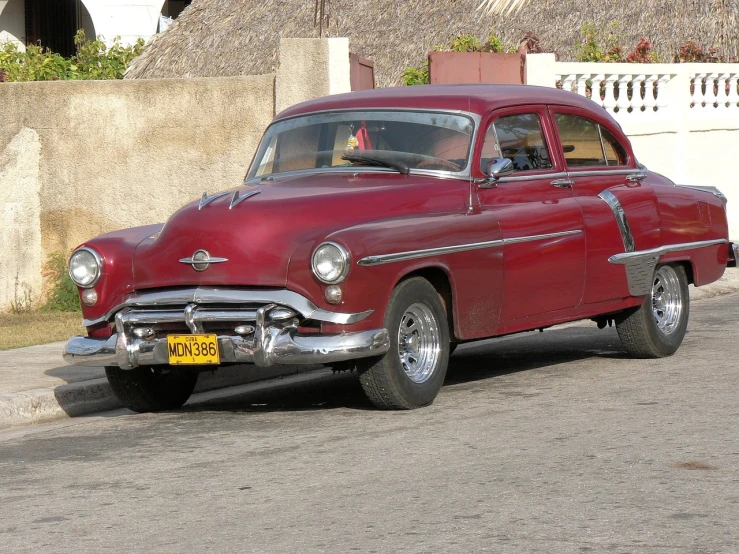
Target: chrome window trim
{"points": [[520, 178], [596, 172], [476, 120], [216, 295], [623, 223], [640, 264], [356, 171], [441, 250], [98, 260]]}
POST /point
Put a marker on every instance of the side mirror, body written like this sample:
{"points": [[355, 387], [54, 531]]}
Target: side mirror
{"points": [[497, 168]]}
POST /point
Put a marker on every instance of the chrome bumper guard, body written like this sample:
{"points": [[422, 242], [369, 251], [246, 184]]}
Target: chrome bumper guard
{"points": [[265, 336]]}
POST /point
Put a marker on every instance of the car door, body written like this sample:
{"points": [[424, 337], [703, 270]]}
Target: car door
{"points": [[605, 180], [540, 221]]}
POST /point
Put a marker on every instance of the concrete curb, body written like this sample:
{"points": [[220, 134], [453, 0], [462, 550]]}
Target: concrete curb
{"points": [[89, 397]]}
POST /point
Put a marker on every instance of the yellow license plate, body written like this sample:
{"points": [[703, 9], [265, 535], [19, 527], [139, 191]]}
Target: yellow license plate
{"points": [[193, 349]]}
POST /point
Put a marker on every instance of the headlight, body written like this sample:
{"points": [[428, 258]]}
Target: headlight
{"points": [[330, 263], [85, 267]]}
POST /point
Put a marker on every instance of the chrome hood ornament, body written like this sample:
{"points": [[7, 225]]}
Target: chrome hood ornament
{"points": [[201, 260]]}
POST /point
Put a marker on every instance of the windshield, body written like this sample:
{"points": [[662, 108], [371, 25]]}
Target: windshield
{"points": [[412, 139]]}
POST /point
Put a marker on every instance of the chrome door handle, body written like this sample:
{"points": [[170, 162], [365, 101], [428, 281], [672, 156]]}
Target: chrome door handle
{"points": [[563, 183]]}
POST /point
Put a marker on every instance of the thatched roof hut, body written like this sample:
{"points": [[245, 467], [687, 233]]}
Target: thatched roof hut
{"points": [[241, 37]]}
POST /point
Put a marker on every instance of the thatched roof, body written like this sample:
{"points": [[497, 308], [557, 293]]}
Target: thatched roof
{"points": [[241, 37]]}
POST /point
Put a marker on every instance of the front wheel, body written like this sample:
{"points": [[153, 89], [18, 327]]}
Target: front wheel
{"points": [[151, 389], [657, 327], [411, 373]]}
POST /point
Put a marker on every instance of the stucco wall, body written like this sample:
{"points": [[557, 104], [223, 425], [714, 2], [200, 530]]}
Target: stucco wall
{"points": [[81, 158]]}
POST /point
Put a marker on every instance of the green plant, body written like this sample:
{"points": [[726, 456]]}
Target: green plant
{"points": [[94, 60], [642, 52], [416, 75], [598, 45], [494, 44], [465, 43], [22, 298], [63, 295]]}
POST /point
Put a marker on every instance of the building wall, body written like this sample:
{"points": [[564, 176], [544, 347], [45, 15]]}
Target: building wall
{"points": [[12, 22], [81, 158]]}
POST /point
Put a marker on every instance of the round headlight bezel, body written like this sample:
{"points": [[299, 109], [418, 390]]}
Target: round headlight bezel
{"points": [[345, 257], [98, 273]]}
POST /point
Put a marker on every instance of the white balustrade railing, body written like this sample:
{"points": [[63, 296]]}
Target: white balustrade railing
{"points": [[714, 90], [653, 89]]}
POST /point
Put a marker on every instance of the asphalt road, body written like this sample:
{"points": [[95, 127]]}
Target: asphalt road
{"points": [[544, 442]]}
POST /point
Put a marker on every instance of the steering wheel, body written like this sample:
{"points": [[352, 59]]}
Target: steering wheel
{"points": [[438, 163]]}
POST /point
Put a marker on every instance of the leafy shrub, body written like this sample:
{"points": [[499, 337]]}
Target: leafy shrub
{"points": [[416, 75], [63, 295], [692, 52], [642, 52], [464, 43], [94, 60], [591, 50]]}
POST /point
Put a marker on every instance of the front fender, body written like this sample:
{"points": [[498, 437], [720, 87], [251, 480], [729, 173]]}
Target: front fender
{"points": [[474, 275]]}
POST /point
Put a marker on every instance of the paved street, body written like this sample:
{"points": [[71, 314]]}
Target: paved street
{"points": [[542, 442]]}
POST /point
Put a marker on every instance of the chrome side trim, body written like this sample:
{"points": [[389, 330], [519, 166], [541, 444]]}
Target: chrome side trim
{"points": [[428, 252], [284, 347], [623, 223], [640, 265], [238, 199], [216, 295], [711, 190]]}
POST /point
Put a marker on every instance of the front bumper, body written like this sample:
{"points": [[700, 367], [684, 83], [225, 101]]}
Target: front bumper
{"points": [[280, 348], [260, 327]]}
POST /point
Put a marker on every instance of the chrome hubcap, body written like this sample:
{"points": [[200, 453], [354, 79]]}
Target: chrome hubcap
{"points": [[667, 304], [419, 346]]}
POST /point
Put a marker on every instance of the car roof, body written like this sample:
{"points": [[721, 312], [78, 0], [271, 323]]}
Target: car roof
{"points": [[478, 99]]}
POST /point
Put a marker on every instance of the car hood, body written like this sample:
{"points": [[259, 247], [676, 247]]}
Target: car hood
{"points": [[258, 235]]}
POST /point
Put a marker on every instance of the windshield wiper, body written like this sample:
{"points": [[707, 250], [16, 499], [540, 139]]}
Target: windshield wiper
{"points": [[400, 167]]}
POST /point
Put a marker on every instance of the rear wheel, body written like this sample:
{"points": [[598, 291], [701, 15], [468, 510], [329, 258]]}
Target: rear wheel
{"points": [[412, 372], [151, 389], [657, 327]]}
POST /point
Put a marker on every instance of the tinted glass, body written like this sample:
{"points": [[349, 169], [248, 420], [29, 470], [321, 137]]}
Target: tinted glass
{"points": [[615, 153], [521, 141], [580, 141], [419, 140]]}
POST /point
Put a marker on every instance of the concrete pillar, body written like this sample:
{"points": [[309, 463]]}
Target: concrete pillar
{"points": [[20, 223], [310, 68], [541, 70]]}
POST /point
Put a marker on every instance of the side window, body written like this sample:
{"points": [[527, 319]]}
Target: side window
{"points": [[587, 144], [615, 153], [520, 139]]}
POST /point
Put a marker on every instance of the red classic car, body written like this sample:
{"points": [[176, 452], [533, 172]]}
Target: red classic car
{"points": [[377, 230]]}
